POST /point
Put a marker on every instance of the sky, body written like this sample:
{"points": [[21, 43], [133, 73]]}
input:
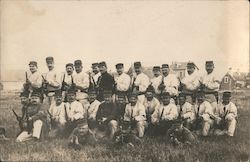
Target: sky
{"points": [[153, 32]]}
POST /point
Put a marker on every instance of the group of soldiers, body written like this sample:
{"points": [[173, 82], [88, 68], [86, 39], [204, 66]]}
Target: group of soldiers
{"points": [[87, 107]]}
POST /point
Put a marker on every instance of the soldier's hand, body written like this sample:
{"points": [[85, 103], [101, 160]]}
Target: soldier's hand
{"points": [[30, 119]]}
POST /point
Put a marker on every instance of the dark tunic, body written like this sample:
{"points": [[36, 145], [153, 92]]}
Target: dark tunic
{"points": [[105, 82], [107, 110]]}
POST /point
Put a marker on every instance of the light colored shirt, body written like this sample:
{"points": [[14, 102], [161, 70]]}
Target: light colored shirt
{"points": [[95, 77], [92, 109], [191, 81], [142, 81], [204, 110], [150, 106], [165, 112], [137, 112], [53, 79], [123, 82], [75, 110], [35, 79], [171, 82], [156, 81], [188, 111], [82, 80], [229, 110], [210, 81], [68, 78], [58, 112]]}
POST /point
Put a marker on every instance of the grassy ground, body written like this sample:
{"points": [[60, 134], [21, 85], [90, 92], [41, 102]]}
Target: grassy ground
{"points": [[208, 149]]}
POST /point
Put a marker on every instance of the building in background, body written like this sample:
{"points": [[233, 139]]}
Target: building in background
{"points": [[179, 68]]}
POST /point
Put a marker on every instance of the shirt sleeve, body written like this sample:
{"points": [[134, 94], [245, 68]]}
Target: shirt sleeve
{"points": [[144, 83], [173, 113], [142, 114], [79, 112], [127, 114], [55, 82], [154, 116], [37, 83], [62, 118], [124, 83], [232, 111]]}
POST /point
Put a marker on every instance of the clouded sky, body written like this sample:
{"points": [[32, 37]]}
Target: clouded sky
{"points": [[153, 32]]}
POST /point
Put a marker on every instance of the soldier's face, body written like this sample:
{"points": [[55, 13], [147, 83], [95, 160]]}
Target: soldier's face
{"points": [[107, 98], [71, 97], [225, 100], [165, 71], [165, 100], [201, 99], [121, 100], [92, 97], [190, 69], [35, 100], [157, 73], [209, 68], [69, 70], [58, 100], [33, 68], [50, 65], [24, 100], [120, 70], [138, 70], [182, 100], [103, 69], [78, 69], [149, 96], [83, 130], [95, 69], [133, 100]]}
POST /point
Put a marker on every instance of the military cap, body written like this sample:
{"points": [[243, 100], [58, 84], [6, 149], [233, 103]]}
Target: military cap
{"points": [[137, 64], [24, 94], [121, 95], [69, 64], [133, 94], [95, 64], [49, 59], [91, 91], [165, 93], [107, 92], [78, 63], [58, 93], [156, 68], [182, 95], [71, 91], [119, 65], [209, 62], [200, 93], [33, 63], [190, 64], [164, 66], [227, 94], [103, 63], [150, 89], [36, 93]]}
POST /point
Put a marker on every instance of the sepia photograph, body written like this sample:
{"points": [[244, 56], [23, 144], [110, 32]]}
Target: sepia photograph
{"points": [[125, 80]]}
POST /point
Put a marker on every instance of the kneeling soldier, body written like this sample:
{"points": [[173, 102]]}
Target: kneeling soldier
{"points": [[204, 115], [57, 115], [36, 119], [186, 111], [226, 116], [165, 114], [135, 115], [107, 116]]}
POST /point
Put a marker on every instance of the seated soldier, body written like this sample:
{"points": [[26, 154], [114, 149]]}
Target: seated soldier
{"points": [[36, 119], [81, 136], [92, 108], [121, 105], [165, 114], [150, 103], [204, 115], [106, 116], [74, 112], [226, 115], [135, 115], [178, 134], [186, 111], [57, 115]]}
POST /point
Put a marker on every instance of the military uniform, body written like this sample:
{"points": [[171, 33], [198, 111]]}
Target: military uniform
{"points": [[92, 111], [67, 81], [156, 81]]}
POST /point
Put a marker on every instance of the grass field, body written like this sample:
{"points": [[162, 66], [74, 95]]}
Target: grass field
{"points": [[208, 149]]}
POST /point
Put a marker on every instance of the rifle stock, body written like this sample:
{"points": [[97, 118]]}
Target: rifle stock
{"points": [[17, 117], [66, 114]]}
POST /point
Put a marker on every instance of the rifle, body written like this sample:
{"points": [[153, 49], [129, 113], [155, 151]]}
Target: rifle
{"points": [[27, 82], [20, 121], [161, 87], [52, 121], [63, 83], [29, 124], [133, 84], [93, 83], [45, 86], [73, 85], [66, 114]]}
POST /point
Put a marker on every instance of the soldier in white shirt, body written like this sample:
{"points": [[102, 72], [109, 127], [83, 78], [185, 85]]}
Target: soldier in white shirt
{"points": [[186, 111], [157, 80], [190, 83], [204, 115], [67, 80], [135, 115], [81, 81], [141, 82], [96, 73], [211, 85], [57, 115], [51, 80], [165, 114], [226, 115], [75, 113], [92, 109], [33, 78]]}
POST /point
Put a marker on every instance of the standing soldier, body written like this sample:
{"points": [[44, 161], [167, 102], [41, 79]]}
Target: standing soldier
{"points": [[122, 82], [140, 82], [165, 114], [107, 116], [135, 115], [81, 80], [67, 79], [33, 79], [186, 111], [190, 83], [211, 85], [226, 115], [170, 83], [106, 81], [51, 81], [36, 120], [157, 80], [96, 74], [204, 115], [92, 109]]}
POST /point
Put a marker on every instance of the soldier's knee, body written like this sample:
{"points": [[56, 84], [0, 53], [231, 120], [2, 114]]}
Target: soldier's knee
{"points": [[38, 123], [113, 124]]}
